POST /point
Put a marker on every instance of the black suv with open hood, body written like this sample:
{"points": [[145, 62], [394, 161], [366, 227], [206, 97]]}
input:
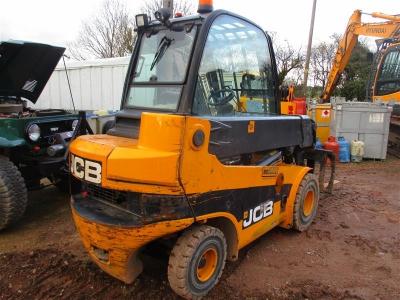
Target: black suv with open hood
{"points": [[32, 142]]}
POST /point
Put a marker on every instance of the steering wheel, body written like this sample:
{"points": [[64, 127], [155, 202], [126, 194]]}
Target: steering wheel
{"points": [[221, 97]]}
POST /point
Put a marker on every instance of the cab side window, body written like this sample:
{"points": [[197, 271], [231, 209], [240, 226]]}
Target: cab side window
{"points": [[235, 75], [389, 76]]}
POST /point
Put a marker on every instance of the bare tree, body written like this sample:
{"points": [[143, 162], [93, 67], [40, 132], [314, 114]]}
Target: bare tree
{"points": [[289, 60], [108, 34], [295, 77], [186, 7], [321, 60]]}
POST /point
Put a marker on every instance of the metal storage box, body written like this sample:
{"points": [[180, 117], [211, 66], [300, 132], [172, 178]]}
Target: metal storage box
{"points": [[364, 121], [321, 114]]}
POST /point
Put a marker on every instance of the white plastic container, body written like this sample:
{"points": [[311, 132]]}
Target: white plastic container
{"points": [[357, 150]]}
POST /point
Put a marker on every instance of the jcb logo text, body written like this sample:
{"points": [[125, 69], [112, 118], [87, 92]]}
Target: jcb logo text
{"points": [[85, 169], [258, 213]]}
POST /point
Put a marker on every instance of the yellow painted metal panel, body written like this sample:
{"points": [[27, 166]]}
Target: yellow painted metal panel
{"points": [[288, 108], [143, 165], [122, 244], [321, 114]]}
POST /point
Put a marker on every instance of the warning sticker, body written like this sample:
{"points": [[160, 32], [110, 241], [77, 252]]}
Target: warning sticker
{"points": [[326, 113], [269, 171]]}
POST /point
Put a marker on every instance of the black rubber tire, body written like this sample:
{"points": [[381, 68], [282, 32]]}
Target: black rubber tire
{"points": [[301, 222], [13, 194], [185, 257]]}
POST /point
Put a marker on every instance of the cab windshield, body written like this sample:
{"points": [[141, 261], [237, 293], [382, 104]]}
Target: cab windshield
{"points": [[236, 75], [389, 75], [161, 69]]}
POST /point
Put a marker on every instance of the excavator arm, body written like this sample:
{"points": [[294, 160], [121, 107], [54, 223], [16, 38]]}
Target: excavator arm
{"points": [[355, 28]]}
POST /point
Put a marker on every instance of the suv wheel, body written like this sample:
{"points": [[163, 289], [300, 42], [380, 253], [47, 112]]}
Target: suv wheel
{"points": [[13, 193]]}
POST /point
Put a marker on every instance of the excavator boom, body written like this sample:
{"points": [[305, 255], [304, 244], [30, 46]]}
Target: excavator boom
{"points": [[385, 16]]}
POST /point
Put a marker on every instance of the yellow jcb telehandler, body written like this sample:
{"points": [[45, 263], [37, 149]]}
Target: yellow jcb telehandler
{"points": [[187, 164]]}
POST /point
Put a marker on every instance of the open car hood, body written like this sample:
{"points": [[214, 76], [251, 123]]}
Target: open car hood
{"points": [[25, 68]]}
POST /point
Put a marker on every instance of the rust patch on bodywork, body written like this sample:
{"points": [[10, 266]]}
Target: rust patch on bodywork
{"points": [[121, 245]]}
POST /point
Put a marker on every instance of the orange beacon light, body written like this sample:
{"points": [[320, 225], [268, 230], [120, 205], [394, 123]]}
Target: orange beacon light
{"points": [[205, 6]]}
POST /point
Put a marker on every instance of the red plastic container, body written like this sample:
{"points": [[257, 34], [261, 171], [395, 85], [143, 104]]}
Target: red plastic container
{"points": [[332, 144], [301, 107]]}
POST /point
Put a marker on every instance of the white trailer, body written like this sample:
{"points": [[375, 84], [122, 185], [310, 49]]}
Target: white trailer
{"points": [[95, 85]]}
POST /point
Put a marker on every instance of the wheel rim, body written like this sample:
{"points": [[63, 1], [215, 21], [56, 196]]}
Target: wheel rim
{"points": [[308, 203], [207, 264]]}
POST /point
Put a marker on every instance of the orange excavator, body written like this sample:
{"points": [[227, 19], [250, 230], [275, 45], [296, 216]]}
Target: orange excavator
{"points": [[384, 83], [387, 57]]}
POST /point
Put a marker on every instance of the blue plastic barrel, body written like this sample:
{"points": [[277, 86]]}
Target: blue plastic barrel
{"points": [[344, 150], [318, 144]]}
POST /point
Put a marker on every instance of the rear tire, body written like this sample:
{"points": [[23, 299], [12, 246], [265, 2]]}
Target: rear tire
{"points": [[306, 203], [13, 194], [197, 261]]}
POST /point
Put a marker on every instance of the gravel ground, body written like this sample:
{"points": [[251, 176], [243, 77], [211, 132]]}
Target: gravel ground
{"points": [[352, 251]]}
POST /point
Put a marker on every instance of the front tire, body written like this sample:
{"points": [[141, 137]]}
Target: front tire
{"points": [[13, 194], [197, 261], [306, 203]]}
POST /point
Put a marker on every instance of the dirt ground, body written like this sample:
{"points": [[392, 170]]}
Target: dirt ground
{"points": [[352, 251]]}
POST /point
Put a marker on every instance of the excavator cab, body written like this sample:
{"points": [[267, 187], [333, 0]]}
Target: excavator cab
{"points": [[387, 78], [187, 164]]}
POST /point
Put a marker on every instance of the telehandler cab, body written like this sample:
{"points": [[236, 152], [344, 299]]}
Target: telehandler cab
{"points": [[187, 164]]}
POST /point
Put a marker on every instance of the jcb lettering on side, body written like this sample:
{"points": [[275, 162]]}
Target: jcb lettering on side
{"points": [[85, 169], [258, 213]]}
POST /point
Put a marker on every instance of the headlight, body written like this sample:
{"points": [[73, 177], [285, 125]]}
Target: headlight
{"points": [[74, 124], [142, 20], [33, 132]]}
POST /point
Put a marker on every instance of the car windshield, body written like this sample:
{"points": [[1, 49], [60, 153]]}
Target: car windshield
{"points": [[161, 69]]}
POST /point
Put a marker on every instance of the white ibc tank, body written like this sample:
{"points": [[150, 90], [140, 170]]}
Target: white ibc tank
{"points": [[363, 121]]}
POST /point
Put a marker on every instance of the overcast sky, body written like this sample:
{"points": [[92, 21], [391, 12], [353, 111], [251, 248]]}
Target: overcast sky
{"points": [[57, 22]]}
